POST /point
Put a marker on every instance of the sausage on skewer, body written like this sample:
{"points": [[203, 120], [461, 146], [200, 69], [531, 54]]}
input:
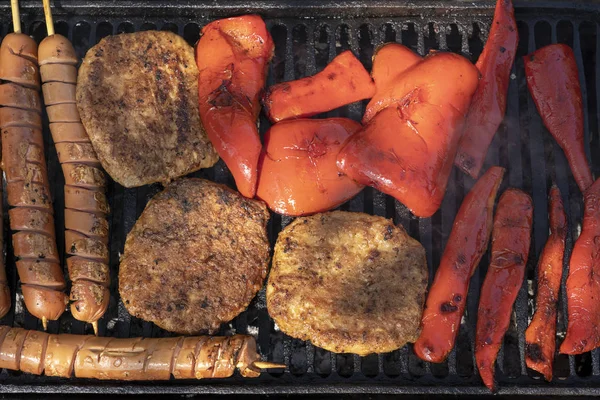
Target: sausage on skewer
{"points": [[31, 213], [87, 356], [86, 226]]}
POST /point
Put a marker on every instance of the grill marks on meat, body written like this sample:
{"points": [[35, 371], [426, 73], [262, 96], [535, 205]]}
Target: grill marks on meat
{"points": [[31, 213], [138, 98], [195, 258], [348, 282], [86, 228]]}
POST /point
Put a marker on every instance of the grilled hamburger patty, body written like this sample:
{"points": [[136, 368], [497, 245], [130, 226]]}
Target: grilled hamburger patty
{"points": [[348, 282], [137, 95], [195, 258]]}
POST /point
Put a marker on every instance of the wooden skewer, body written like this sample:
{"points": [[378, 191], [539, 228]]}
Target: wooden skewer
{"points": [[48, 15], [267, 364], [14, 5], [45, 323]]}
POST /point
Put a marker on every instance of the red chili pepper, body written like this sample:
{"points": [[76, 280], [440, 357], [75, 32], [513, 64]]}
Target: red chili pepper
{"points": [[553, 82], [540, 336], [298, 175], [511, 237], [583, 282], [232, 56], [407, 150], [447, 296], [342, 82], [389, 61], [489, 101]]}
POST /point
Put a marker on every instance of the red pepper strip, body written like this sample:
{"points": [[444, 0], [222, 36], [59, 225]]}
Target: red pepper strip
{"points": [[342, 82], [583, 282], [489, 102], [468, 241], [298, 175], [540, 336], [408, 149], [389, 61], [232, 57], [511, 237], [553, 82]]}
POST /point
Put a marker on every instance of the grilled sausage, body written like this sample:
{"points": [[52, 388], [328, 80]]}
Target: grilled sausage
{"points": [[86, 235], [31, 216], [87, 356], [4, 289]]}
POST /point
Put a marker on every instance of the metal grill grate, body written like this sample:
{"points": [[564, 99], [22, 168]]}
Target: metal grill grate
{"points": [[303, 47]]}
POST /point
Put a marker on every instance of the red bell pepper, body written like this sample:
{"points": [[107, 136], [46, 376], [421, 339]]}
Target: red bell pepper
{"points": [[232, 56], [583, 282], [553, 82], [489, 102], [540, 336], [298, 175], [342, 82], [407, 150], [389, 61], [447, 296], [511, 237]]}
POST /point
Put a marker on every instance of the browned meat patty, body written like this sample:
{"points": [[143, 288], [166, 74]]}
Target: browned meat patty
{"points": [[348, 282], [137, 95], [195, 258]]}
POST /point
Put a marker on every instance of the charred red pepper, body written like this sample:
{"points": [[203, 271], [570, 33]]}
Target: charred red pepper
{"points": [[389, 61], [489, 102], [511, 237], [232, 57], [298, 174], [342, 82], [553, 82], [540, 336], [583, 282], [447, 296], [407, 150]]}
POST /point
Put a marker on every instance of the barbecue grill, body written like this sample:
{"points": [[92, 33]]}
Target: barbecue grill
{"points": [[307, 36]]}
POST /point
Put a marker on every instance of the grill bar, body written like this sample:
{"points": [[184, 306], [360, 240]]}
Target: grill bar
{"points": [[306, 39]]}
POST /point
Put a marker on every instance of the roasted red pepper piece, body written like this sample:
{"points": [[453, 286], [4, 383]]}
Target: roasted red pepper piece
{"points": [[447, 296], [511, 237], [389, 61], [489, 101], [553, 82], [540, 336], [583, 282], [233, 56], [343, 81], [298, 175], [408, 149]]}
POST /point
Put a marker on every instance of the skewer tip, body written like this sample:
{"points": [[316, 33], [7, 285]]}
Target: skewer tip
{"points": [[48, 15], [267, 364], [95, 326], [45, 323], [16, 17]]}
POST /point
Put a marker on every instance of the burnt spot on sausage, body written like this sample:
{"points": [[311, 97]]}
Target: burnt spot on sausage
{"points": [[448, 307], [461, 258], [533, 351], [457, 298], [502, 49], [331, 76]]}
